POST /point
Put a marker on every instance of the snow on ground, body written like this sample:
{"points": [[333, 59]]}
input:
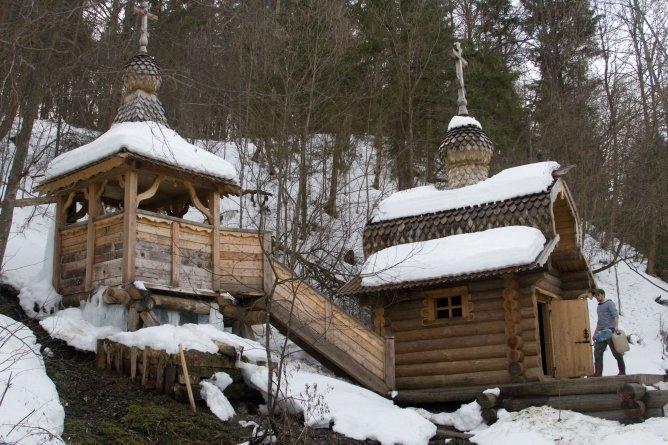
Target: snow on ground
{"points": [[200, 337], [508, 183], [545, 425], [30, 411], [70, 326], [640, 316], [351, 410], [475, 252], [149, 139]]}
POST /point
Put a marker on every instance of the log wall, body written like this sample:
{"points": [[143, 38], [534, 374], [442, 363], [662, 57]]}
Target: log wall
{"points": [[469, 351]]}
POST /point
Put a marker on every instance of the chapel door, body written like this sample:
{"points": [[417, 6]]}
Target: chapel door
{"points": [[571, 338]]}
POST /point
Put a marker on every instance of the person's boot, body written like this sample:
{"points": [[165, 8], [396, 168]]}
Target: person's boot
{"points": [[621, 366], [598, 369]]}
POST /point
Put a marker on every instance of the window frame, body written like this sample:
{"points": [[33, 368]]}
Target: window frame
{"points": [[431, 307]]}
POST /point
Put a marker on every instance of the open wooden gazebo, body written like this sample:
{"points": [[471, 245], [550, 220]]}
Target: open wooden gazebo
{"points": [[121, 200]]}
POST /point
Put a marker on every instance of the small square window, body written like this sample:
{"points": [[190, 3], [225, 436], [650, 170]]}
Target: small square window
{"points": [[449, 307], [446, 304]]}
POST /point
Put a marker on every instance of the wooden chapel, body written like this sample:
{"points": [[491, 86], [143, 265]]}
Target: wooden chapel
{"points": [[484, 319]]}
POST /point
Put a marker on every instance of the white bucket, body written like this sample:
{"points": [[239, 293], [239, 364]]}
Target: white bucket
{"points": [[620, 342]]}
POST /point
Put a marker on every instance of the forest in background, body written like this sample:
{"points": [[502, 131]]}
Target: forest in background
{"points": [[574, 81]]}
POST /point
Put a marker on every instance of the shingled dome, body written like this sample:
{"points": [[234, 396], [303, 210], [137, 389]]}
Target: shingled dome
{"points": [[141, 81], [466, 152]]}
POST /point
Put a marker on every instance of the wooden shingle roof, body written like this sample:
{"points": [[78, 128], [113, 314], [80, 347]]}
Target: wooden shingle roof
{"points": [[531, 210]]}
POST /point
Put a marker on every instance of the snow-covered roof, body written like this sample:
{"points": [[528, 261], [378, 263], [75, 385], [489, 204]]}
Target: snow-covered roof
{"points": [[456, 255], [463, 121], [509, 183], [147, 139]]}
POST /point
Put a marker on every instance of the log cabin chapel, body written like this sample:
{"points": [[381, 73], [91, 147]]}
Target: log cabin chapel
{"points": [[475, 283], [478, 281]]}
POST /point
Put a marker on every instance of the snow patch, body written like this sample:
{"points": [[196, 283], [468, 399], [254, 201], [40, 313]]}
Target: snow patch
{"points": [[493, 391], [70, 326], [508, 183], [463, 121], [352, 410], [216, 401], [199, 337], [148, 139], [491, 249], [545, 425], [30, 411], [467, 418]]}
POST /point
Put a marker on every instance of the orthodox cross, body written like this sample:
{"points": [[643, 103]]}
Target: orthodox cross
{"points": [[460, 64], [142, 11]]}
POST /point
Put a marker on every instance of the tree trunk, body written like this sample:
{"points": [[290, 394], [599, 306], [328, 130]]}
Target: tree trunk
{"points": [[340, 145], [10, 115], [378, 167], [15, 175]]}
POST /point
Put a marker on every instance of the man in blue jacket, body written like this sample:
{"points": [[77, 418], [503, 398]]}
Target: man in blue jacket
{"points": [[606, 326]]}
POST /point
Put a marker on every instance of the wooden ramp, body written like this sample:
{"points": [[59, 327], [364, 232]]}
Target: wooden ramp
{"points": [[329, 333]]}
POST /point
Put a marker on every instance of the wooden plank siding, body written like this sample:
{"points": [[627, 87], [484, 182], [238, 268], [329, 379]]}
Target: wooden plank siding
{"points": [[72, 271], [241, 261], [108, 251]]}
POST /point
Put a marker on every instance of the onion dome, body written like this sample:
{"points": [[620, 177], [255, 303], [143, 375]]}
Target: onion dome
{"points": [[467, 152], [141, 81]]}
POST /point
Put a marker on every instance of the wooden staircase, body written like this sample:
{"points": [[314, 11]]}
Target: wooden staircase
{"points": [[329, 333]]}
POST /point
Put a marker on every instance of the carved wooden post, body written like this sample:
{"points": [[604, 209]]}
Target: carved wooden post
{"points": [[129, 225], [93, 211], [513, 318], [214, 209], [389, 362]]}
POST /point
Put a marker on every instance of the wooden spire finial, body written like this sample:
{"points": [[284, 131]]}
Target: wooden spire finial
{"points": [[142, 11], [460, 64]]}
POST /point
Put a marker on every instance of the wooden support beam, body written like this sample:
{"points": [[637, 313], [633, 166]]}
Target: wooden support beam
{"points": [[328, 317], [176, 253], [94, 206], [196, 201], [214, 208], [129, 225], [59, 222], [152, 190]]}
